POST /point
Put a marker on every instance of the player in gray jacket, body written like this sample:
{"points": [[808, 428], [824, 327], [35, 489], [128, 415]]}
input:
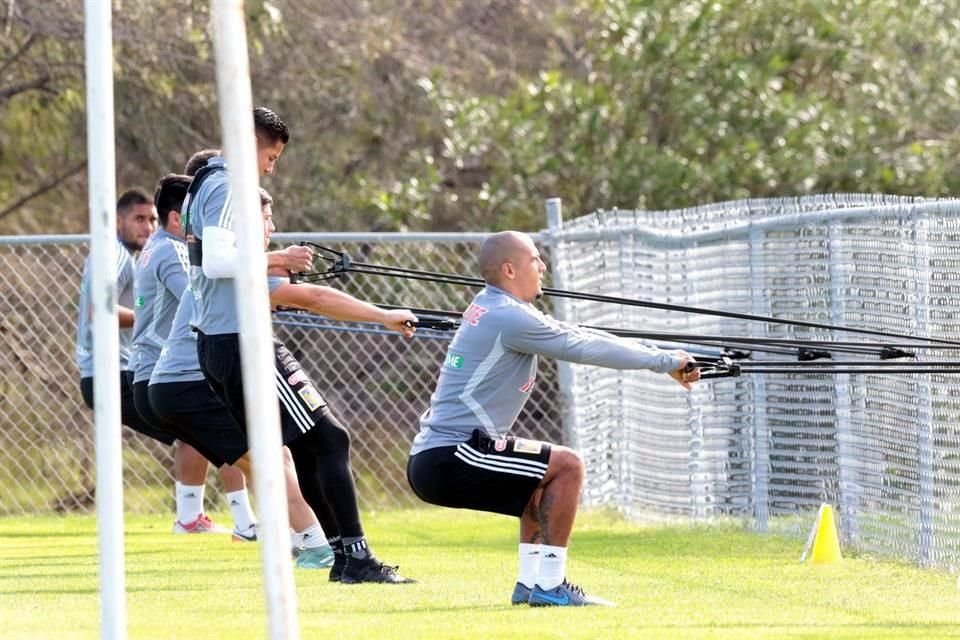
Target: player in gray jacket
{"points": [[179, 395], [160, 280], [318, 442], [463, 456]]}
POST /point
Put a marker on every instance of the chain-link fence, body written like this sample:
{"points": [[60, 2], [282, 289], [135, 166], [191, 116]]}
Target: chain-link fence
{"points": [[377, 383], [884, 448]]}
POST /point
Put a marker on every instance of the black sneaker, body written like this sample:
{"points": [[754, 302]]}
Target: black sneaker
{"points": [[336, 571], [370, 569]]}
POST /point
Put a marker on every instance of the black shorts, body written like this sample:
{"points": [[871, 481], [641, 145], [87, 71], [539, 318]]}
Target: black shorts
{"points": [[480, 474], [198, 418], [142, 403], [301, 406], [128, 409]]}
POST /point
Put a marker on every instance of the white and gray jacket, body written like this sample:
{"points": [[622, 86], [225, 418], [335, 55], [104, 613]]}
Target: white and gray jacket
{"points": [[491, 366]]}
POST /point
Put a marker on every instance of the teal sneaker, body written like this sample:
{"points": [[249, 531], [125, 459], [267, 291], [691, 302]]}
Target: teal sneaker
{"points": [[521, 594], [565, 594], [315, 558]]}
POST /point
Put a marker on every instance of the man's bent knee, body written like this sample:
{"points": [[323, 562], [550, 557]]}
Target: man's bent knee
{"points": [[566, 463]]}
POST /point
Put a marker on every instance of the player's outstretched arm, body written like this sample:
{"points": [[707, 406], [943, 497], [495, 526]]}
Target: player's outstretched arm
{"points": [[529, 331], [686, 377], [341, 306]]}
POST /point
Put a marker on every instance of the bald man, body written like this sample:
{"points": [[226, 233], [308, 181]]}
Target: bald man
{"points": [[465, 458]]}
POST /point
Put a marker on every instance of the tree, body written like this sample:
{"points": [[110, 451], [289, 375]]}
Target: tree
{"points": [[466, 115], [715, 101]]}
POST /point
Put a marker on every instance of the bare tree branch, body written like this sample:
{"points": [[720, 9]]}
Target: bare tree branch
{"points": [[9, 21], [53, 183], [19, 52], [21, 87]]}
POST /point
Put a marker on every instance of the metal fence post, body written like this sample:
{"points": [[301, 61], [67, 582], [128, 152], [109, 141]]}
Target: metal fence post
{"points": [[849, 498], [561, 311], [761, 430], [926, 538]]}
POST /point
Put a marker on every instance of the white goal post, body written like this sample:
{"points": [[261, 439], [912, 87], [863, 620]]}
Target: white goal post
{"points": [[101, 168], [236, 111], [253, 307]]}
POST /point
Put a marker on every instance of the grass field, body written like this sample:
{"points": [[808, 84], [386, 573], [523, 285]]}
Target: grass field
{"points": [[669, 582]]}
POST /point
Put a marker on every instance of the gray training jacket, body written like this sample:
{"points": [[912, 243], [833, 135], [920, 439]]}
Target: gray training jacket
{"points": [[178, 361], [84, 352], [215, 299], [161, 278], [491, 366]]}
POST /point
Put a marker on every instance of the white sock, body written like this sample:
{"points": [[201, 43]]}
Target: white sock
{"points": [[189, 502], [553, 566], [240, 509], [310, 538], [529, 564]]}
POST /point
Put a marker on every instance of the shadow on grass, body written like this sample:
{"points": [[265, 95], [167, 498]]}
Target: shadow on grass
{"points": [[677, 542], [79, 559], [950, 631], [95, 590], [422, 609], [47, 534], [60, 574]]}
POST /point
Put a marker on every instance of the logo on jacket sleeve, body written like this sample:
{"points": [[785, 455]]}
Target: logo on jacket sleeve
{"points": [[473, 314]]}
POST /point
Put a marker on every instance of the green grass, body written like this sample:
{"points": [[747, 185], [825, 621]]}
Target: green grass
{"points": [[669, 582]]}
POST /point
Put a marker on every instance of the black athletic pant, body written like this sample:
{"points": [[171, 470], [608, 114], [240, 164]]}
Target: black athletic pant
{"points": [[320, 445]]}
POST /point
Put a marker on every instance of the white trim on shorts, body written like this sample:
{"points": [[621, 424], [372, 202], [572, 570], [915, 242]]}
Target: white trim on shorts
{"points": [[292, 406], [500, 464]]}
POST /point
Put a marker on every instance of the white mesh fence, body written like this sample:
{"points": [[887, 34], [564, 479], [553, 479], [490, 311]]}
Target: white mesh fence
{"points": [[884, 448], [377, 384]]}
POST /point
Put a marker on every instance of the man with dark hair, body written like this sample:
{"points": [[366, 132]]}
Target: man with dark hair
{"points": [[463, 456], [269, 127], [136, 220], [199, 160], [137, 201], [181, 398], [319, 443], [159, 282]]}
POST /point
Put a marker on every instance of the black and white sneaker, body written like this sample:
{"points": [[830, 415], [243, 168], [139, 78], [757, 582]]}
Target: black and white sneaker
{"points": [[370, 569], [339, 562]]}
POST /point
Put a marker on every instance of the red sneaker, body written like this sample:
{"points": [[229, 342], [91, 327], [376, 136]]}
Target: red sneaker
{"points": [[202, 524]]}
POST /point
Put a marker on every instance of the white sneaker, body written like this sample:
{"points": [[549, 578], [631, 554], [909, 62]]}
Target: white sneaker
{"points": [[246, 535]]}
